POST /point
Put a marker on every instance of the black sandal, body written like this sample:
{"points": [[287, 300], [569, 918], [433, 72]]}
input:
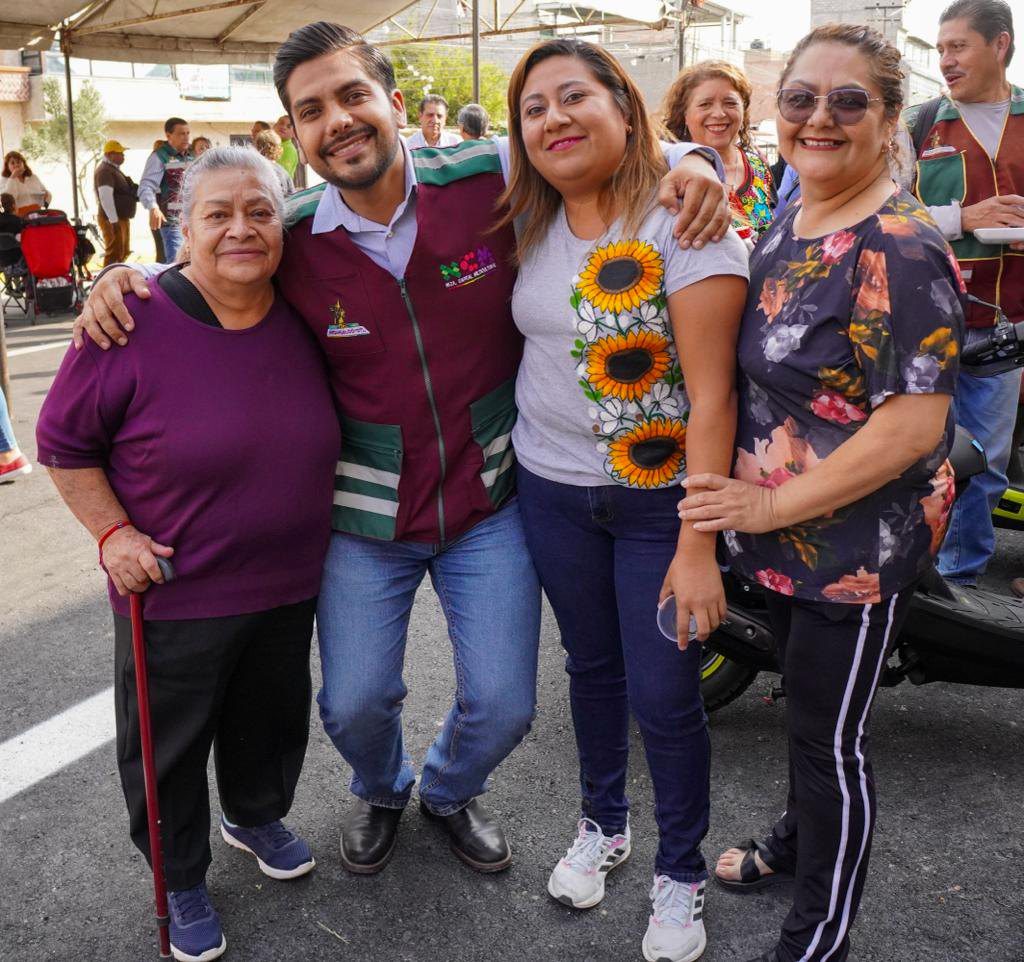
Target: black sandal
{"points": [[751, 879]]}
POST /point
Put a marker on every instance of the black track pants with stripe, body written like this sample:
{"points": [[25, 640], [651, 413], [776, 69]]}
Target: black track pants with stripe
{"points": [[832, 656]]}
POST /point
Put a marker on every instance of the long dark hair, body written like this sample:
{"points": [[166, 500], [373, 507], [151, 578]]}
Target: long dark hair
{"points": [[14, 155], [632, 186]]}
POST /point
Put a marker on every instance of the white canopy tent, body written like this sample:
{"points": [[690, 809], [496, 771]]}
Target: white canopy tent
{"points": [[180, 31], [245, 31], [250, 31]]}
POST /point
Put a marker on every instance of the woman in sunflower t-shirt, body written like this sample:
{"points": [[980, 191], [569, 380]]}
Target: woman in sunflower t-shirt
{"points": [[615, 317]]}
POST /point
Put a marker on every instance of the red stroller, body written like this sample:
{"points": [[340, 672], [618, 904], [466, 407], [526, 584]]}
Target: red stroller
{"points": [[49, 245]]}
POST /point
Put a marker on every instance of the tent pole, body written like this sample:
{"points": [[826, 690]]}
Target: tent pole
{"points": [[476, 51], [65, 47]]}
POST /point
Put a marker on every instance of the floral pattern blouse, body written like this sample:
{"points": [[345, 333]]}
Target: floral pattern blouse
{"points": [[832, 327], [752, 201]]}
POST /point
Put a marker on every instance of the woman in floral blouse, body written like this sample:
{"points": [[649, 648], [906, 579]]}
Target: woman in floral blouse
{"points": [[848, 355], [709, 104]]}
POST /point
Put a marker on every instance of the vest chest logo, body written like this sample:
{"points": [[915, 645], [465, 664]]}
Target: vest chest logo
{"points": [[471, 267], [936, 148], [342, 327]]}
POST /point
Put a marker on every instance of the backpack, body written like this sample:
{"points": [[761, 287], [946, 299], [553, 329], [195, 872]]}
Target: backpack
{"points": [[924, 120]]}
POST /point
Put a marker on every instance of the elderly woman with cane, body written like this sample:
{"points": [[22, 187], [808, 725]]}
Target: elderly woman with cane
{"points": [[173, 448]]}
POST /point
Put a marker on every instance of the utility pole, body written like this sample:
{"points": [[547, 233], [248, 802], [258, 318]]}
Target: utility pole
{"points": [[684, 6], [476, 50]]}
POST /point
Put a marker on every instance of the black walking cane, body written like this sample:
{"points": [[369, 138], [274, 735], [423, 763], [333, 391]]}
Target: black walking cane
{"points": [[156, 854]]}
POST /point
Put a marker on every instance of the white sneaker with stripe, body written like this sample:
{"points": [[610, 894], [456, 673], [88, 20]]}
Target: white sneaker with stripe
{"points": [[675, 932], [578, 878]]}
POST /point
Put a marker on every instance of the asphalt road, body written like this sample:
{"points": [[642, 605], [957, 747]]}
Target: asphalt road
{"points": [[945, 872]]}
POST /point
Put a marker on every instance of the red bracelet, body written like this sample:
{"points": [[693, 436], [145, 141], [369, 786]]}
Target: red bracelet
{"points": [[107, 532]]}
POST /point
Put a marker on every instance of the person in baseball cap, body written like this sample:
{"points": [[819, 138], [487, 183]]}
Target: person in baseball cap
{"points": [[118, 197]]}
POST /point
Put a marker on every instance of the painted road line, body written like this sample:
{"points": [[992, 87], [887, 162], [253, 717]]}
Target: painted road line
{"points": [[18, 351], [54, 744]]}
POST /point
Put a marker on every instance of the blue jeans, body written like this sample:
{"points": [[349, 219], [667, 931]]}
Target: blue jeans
{"points": [[490, 596], [171, 235], [602, 554], [987, 407], [7, 442]]}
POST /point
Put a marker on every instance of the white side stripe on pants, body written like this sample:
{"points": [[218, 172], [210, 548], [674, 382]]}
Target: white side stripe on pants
{"points": [[837, 743], [844, 924]]}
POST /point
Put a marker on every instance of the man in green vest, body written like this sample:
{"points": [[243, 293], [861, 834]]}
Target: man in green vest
{"points": [[969, 149], [161, 181]]}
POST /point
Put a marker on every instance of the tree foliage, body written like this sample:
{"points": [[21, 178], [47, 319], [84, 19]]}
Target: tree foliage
{"points": [[423, 69], [49, 142]]}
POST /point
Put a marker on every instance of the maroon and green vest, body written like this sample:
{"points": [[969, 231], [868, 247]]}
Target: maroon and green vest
{"points": [[168, 199], [423, 370], [952, 165]]}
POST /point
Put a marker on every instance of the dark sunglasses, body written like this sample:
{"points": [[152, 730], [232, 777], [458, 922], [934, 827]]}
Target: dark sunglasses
{"points": [[847, 105]]}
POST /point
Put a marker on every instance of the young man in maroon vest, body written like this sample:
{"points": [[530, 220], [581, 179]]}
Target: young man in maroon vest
{"points": [[970, 171], [393, 265]]}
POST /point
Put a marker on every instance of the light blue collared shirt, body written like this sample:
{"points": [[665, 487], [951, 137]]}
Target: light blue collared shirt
{"points": [[390, 245]]}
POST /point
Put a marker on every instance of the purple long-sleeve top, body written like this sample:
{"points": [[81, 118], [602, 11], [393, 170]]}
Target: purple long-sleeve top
{"points": [[220, 443]]}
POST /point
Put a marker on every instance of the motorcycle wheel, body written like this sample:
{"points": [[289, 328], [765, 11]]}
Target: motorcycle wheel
{"points": [[722, 680]]}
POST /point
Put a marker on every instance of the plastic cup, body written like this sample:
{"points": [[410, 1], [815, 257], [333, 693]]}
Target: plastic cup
{"points": [[667, 620]]}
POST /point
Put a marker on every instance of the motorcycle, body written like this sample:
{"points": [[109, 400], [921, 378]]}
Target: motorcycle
{"points": [[971, 636]]}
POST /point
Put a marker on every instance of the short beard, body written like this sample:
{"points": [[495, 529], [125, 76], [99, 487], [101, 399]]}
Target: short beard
{"points": [[384, 161]]}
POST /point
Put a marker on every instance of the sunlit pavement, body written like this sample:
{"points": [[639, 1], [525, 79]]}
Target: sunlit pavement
{"points": [[945, 871]]}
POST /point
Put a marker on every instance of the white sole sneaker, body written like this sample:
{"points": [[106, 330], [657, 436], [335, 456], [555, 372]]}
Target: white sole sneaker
{"points": [[612, 861], [214, 953], [275, 873], [661, 957]]}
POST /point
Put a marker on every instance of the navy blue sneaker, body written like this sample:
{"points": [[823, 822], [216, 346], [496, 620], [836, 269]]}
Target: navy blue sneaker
{"points": [[279, 851], [195, 930]]}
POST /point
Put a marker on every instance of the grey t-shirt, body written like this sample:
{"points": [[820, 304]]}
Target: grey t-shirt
{"points": [[600, 392]]}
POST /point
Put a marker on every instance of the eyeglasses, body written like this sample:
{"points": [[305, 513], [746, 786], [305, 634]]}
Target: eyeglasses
{"points": [[847, 105]]}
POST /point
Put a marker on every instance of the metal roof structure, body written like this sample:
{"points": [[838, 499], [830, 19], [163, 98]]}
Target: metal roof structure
{"points": [[248, 31], [180, 31]]}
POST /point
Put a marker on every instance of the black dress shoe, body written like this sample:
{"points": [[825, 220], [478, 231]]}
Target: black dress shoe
{"points": [[368, 837], [475, 837]]}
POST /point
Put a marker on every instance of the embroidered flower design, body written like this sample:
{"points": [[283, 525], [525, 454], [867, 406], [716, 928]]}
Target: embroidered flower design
{"points": [[611, 414], [621, 276], [650, 455], [627, 366]]}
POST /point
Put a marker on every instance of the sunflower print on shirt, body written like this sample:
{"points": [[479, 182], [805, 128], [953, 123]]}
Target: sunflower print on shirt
{"points": [[627, 364]]}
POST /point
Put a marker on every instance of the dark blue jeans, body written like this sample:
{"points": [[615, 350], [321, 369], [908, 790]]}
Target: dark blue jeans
{"points": [[602, 554]]}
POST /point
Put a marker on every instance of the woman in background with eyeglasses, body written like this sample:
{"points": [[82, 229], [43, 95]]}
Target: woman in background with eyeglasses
{"points": [[848, 353]]}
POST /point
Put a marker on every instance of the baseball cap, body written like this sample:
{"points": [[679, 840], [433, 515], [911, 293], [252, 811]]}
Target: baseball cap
{"points": [[114, 147]]}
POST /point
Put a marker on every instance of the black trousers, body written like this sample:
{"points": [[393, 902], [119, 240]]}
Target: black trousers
{"points": [[832, 657], [240, 684]]}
